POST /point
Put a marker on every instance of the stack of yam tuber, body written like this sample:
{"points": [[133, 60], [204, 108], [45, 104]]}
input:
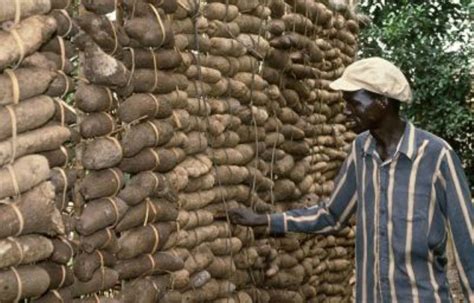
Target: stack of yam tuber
{"points": [[35, 123], [136, 125], [103, 81]]}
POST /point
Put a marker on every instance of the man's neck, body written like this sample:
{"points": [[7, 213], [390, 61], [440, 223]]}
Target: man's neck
{"points": [[387, 135]]}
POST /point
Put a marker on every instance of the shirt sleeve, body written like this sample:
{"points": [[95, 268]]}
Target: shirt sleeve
{"points": [[459, 211], [325, 217]]}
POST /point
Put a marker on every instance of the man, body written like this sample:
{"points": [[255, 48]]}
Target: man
{"points": [[407, 188]]}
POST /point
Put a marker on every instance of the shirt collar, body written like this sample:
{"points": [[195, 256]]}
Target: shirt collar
{"points": [[406, 146]]}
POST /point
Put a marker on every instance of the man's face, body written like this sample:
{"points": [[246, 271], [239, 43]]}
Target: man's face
{"points": [[363, 110]]}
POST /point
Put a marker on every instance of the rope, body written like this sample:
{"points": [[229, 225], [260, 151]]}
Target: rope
{"points": [[20, 45], [111, 97], [115, 141], [155, 131], [62, 49], [16, 186], [66, 80], [147, 210], [153, 264], [15, 86], [64, 192], [116, 210], [65, 241], [109, 238], [132, 14], [112, 123], [117, 180], [57, 295], [177, 121], [63, 276], [157, 105], [61, 111], [20, 285], [114, 33], [149, 205], [66, 155], [155, 70], [17, 12], [157, 158], [157, 238], [160, 22], [101, 258], [69, 29], [132, 71], [153, 284], [13, 121], [19, 248], [157, 181], [102, 268]]}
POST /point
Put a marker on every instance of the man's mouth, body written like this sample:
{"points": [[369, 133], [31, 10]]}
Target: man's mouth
{"points": [[351, 123]]}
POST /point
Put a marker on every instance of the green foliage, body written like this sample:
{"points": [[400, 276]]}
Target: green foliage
{"points": [[431, 41]]}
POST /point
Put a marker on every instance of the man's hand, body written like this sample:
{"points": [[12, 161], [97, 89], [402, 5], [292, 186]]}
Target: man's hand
{"points": [[247, 217]]}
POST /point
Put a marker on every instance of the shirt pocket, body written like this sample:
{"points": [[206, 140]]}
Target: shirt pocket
{"points": [[416, 201], [411, 227]]}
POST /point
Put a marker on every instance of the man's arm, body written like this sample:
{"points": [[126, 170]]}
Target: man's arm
{"points": [[326, 216], [460, 217]]}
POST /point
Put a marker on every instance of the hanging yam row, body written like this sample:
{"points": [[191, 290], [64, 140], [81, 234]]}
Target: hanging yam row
{"points": [[36, 122], [136, 125]]}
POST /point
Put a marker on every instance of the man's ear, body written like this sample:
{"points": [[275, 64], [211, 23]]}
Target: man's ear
{"points": [[382, 101]]}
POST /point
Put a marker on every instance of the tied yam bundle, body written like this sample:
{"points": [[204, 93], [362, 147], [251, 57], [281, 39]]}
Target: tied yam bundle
{"points": [[42, 139], [24, 83], [146, 239], [104, 32], [27, 172], [96, 125], [25, 39], [148, 134], [160, 160], [94, 98], [23, 282], [63, 250], [152, 31], [102, 183], [101, 153], [157, 82], [86, 264], [148, 264], [34, 211], [59, 275], [151, 210], [140, 106], [24, 249], [103, 69], [101, 280], [99, 214], [57, 157], [146, 290], [23, 8], [135, 58], [103, 239], [29, 114], [141, 186]]}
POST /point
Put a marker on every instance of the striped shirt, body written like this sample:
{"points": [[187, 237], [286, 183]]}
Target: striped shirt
{"points": [[406, 209]]}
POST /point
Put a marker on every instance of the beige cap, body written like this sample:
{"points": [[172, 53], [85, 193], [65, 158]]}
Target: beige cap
{"points": [[376, 75]]}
